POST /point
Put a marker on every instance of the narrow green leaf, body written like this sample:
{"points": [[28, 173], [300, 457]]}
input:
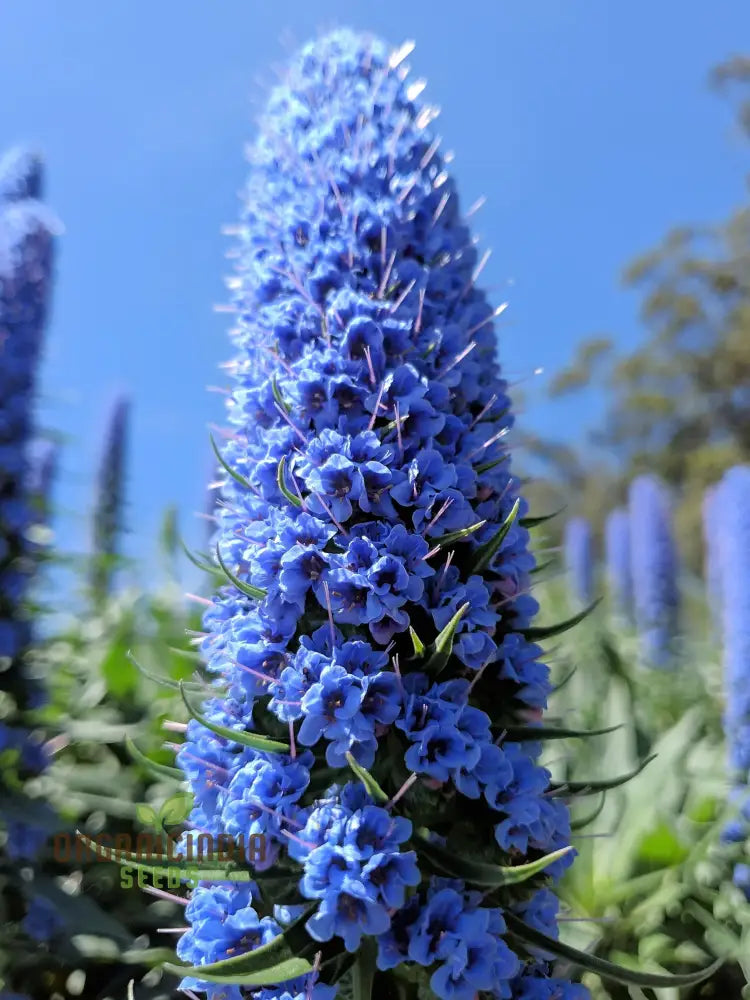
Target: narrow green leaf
{"points": [[373, 788], [278, 397], [236, 476], [159, 770], [290, 968], [202, 564], [206, 868], [274, 962], [485, 553], [533, 522], [363, 972], [442, 647], [579, 824], [564, 681], [416, 642], [254, 740], [163, 681], [540, 567], [457, 536], [486, 466], [539, 633], [481, 873], [599, 966], [590, 787], [516, 734], [246, 588], [291, 497]]}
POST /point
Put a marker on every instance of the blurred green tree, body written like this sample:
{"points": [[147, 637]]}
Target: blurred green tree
{"points": [[679, 404]]}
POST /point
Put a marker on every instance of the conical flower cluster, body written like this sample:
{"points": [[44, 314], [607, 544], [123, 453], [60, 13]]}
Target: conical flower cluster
{"points": [[26, 244], [376, 670]]}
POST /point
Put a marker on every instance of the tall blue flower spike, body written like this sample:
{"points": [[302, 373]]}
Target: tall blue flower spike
{"points": [[579, 559], [374, 725], [654, 569], [110, 498], [730, 507], [26, 257], [617, 560], [712, 569]]}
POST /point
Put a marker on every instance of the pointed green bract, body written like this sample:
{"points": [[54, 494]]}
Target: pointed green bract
{"points": [[539, 633], [246, 588], [486, 553], [603, 968], [253, 740], [236, 476], [374, 789], [590, 787], [442, 647], [291, 497]]}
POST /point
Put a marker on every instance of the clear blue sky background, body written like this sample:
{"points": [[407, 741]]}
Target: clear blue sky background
{"points": [[588, 125]]}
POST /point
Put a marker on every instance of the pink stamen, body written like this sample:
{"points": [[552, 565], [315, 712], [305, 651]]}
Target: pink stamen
{"points": [[374, 416], [368, 355], [400, 300], [441, 206], [298, 840], [172, 930], [398, 428], [330, 612], [402, 790], [162, 894], [439, 514], [386, 275], [285, 416], [477, 271], [491, 441], [418, 320], [174, 727], [200, 600], [488, 406], [328, 511], [459, 358], [292, 743], [430, 152], [475, 207], [492, 316]]}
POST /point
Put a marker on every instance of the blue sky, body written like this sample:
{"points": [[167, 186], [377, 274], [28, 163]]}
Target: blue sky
{"points": [[588, 125]]}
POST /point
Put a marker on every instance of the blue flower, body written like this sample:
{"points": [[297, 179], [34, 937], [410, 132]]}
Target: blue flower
{"points": [[42, 921]]}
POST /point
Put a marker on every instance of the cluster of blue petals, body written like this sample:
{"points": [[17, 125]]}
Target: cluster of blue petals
{"points": [[368, 423], [578, 547], [654, 569], [26, 237]]}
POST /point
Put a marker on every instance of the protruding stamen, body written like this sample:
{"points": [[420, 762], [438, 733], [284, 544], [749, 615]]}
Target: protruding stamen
{"points": [[402, 791]]}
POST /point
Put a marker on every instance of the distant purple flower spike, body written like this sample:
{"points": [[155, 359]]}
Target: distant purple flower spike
{"points": [[368, 423], [617, 560], [712, 531], [653, 563], [579, 559], [107, 526], [730, 515]]}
